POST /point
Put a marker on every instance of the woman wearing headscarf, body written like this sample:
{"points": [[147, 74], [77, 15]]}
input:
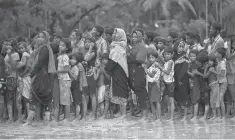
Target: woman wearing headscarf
{"points": [[42, 76], [119, 93], [137, 76]]}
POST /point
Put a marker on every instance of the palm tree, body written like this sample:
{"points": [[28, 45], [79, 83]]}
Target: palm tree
{"points": [[165, 5]]}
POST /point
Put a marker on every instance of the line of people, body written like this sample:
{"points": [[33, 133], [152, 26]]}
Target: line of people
{"points": [[115, 74]]}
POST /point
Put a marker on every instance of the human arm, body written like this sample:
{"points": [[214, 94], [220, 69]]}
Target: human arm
{"points": [[169, 68], [96, 73]]}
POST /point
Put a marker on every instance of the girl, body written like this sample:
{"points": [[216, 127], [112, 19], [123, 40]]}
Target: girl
{"points": [[90, 89], [75, 86], [24, 76], [153, 78], [168, 79], [99, 77], [63, 76], [11, 60], [194, 81], [221, 76], [213, 84], [181, 79]]}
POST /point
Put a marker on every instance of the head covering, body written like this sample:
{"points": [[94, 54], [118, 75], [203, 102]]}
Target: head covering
{"points": [[119, 38]]}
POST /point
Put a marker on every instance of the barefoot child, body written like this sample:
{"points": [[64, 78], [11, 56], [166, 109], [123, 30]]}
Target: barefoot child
{"points": [[24, 76], [154, 90], [168, 79], [11, 61], [213, 84], [75, 86], [63, 76], [221, 76], [182, 80], [194, 81]]}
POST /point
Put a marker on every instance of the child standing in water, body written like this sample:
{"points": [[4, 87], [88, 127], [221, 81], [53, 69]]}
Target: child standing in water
{"points": [[221, 76], [168, 79], [213, 84], [63, 76], [24, 78], [11, 61], [154, 90], [194, 81], [75, 86]]}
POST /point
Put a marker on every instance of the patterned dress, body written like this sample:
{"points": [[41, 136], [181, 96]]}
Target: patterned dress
{"points": [[64, 80]]}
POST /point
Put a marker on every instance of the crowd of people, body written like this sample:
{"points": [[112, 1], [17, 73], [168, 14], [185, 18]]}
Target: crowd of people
{"points": [[107, 73]]}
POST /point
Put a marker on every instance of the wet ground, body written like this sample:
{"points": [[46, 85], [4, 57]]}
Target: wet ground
{"points": [[122, 129]]}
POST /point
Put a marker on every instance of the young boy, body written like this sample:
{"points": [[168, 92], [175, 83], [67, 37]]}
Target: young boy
{"points": [[168, 79]]}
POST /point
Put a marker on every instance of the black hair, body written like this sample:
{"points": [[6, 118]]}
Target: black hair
{"points": [[139, 30], [169, 49], [78, 33], [128, 37], [154, 53], [190, 34], [221, 51], [109, 31], [67, 43], [213, 58], [223, 34], [150, 36], [159, 39], [217, 26], [194, 52], [79, 57], [197, 38], [99, 29], [173, 34]]}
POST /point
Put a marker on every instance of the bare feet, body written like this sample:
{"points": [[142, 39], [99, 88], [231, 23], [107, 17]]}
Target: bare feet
{"points": [[194, 119]]}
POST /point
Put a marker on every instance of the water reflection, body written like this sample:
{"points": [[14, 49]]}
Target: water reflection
{"points": [[123, 130]]}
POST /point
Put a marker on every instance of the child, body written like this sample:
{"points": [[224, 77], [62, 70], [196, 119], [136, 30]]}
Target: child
{"points": [[221, 76], [182, 79], [75, 86], [25, 80], [11, 60], [168, 79], [153, 78], [202, 58], [213, 84], [63, 76], [99, 77], [194, 81]]}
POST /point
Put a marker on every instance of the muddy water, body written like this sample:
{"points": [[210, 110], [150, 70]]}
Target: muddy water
{"points": [[121, 129]]}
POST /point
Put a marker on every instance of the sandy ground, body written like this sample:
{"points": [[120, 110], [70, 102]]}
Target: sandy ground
{"points": [[121, 129]]}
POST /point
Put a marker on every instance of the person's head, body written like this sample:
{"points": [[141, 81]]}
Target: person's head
{"points": [[168, 53], [202, 57], [76, 58], [212, 61], [57, 37], [108, 34], [119, 35], [149, 37], [64, 46], [160, 42], [215, 29], [105, 58], [223, 34], [153, 56], [43, 38], [137, 36], [193, 55], [75, 35], [97, 31], [190, 36], [180, 47], [197, 39], [128, 37], [220, 53], [172, 36], [22, 47], [89, 40], [232, 38]]}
